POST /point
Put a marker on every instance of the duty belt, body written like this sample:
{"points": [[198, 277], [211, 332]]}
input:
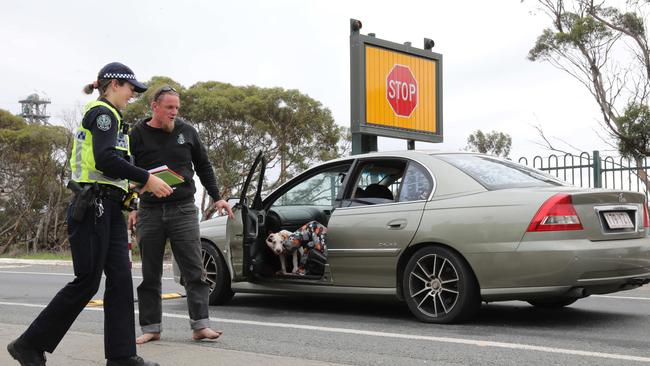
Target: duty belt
{"points": [[111, 193]]}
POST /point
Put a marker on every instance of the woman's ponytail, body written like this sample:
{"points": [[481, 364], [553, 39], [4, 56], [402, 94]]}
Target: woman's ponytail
{"points": [[88, 89], [101, 85]]}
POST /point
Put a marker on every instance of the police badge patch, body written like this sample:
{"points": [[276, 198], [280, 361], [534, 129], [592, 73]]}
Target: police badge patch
{"points": [[122, 142], [104, 122]]}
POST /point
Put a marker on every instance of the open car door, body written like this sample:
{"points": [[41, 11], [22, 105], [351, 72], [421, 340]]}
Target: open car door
{"points": [[242, 232]]}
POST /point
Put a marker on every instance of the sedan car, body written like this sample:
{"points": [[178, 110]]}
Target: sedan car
{"points": [[443, 232]]}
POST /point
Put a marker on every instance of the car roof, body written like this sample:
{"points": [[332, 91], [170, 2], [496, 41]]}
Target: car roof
{"points": [[413, 154]]}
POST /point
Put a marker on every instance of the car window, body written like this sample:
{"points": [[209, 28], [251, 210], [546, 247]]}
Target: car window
{"points": [[376, 182], [417, 184], [494, 173], [320, 189]]}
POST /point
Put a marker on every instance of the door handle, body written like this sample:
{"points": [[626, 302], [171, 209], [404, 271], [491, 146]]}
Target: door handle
{"points": [[396, 224]]}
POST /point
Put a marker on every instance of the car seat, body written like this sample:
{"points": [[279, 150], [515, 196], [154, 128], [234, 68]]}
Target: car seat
{"points": [[378, 191], [359, 193]]}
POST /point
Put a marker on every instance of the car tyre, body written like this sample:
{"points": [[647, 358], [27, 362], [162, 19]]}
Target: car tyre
{"points": [[217, 275], [554, 303], [439, 286]]}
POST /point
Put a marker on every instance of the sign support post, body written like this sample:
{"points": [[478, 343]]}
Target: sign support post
{"points": [[361, 143]]}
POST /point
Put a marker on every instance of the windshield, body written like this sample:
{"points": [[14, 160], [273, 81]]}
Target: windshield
{"points": [[495, 173]]}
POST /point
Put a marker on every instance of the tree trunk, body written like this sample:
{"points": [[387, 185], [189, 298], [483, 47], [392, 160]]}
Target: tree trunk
{"points": [[283, 161], [46, 220], [207, 206], [59, 206], [37, 237]]}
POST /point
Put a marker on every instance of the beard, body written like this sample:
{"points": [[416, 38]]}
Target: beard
{"points": [[168, 126]]}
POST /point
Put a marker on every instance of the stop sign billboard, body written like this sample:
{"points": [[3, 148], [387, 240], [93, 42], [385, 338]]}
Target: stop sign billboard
{"points": [[396, 91], [402, 90]]}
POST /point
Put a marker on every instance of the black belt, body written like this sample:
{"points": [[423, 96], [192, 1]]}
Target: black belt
{"points": [[109, 192]]}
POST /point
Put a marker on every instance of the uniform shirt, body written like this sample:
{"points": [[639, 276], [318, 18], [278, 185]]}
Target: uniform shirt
{"points": [[153, 147], [110, 161]]}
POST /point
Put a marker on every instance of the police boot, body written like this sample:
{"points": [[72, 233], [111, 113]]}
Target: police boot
{"points": [[131, 361], [25, 354]]}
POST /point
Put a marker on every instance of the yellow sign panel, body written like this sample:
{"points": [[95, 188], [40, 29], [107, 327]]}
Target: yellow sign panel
{"points": [[400, 90]]}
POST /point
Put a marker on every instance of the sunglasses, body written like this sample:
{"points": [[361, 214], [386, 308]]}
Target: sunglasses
{"points": [[164, 90]]}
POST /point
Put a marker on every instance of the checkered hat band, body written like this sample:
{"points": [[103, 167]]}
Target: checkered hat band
{"points": [[118, 76]]}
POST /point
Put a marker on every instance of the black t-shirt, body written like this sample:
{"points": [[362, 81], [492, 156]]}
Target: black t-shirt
{"points": [[179, 150], [111, 162]]}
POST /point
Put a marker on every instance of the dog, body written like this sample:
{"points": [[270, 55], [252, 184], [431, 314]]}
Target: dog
{"points": [[311, 236], [275, 241]]}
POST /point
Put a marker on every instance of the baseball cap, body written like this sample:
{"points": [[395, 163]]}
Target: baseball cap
{"points": [[116, 70]]}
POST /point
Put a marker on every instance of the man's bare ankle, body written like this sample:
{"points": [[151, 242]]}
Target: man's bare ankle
{"points": [[147, 337], [206, 333]]}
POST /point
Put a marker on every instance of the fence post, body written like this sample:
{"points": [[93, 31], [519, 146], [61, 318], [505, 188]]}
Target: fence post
{"points": [[598, 179]]}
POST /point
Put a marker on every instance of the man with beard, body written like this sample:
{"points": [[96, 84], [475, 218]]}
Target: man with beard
{"points": [[165, 139]]}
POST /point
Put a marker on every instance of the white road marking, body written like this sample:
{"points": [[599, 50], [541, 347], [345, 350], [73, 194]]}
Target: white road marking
{"points": [[62, 274], [22, 304], [52, 262], [44, 262], [471, 342], [14, 266], [622, 297], [38, 273]]}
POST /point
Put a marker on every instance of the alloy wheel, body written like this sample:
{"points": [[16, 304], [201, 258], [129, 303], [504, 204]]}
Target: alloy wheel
{"points": [[209, 268], [434, 285]]}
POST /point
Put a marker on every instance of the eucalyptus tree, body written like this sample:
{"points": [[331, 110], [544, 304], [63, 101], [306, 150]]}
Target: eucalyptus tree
{"points": [[605, 48], [495, 143], [33, 198]]}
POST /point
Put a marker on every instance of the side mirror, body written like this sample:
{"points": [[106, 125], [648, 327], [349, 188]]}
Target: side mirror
{"points": [[341, 177]]}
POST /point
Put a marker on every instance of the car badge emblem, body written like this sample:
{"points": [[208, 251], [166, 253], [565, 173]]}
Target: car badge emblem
{"points": [[621, 198]]}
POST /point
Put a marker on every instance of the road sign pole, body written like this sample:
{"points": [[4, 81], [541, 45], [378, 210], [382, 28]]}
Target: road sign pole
{"points": [[358, 146], [362, 143], [410, 144]]}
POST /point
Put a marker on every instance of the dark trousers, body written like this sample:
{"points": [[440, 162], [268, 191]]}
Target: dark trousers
{"points": [[179, 222], [98, 244]]}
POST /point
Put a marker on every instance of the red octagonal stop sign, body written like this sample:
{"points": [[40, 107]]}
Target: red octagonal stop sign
{"points": [[402, 90]]}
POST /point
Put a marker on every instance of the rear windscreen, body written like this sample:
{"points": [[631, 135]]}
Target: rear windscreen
{"points": [[495, 173]]}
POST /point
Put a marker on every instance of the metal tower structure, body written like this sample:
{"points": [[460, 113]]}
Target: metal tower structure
{"points": [[34, 109]]}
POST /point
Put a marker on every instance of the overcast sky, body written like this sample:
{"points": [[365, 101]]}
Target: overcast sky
{"points": [[56, 47]]}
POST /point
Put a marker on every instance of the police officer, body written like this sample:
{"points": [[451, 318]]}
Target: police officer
{"points": [[97, 229]]}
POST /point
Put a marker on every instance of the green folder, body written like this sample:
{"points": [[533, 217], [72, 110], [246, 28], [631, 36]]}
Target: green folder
{"points": [[169, 177]]}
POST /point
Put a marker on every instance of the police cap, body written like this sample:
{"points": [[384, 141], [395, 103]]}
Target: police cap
{"points": [[116, 70]]}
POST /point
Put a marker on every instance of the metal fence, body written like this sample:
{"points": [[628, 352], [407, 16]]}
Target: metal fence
{"points": [[592, 170]]}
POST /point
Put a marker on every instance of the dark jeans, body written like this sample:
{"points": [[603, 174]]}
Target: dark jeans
{"points": [[97, 244], [179, 222]]}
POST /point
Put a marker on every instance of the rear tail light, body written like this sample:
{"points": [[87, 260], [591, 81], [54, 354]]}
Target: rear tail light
{"points": [[645, 214], [556, 214]]}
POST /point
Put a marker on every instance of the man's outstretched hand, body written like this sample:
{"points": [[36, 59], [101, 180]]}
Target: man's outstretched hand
{"points": [[222, 205]]}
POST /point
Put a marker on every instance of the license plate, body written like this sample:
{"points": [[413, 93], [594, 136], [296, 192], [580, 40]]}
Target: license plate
{"points": [[618, 220]]}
